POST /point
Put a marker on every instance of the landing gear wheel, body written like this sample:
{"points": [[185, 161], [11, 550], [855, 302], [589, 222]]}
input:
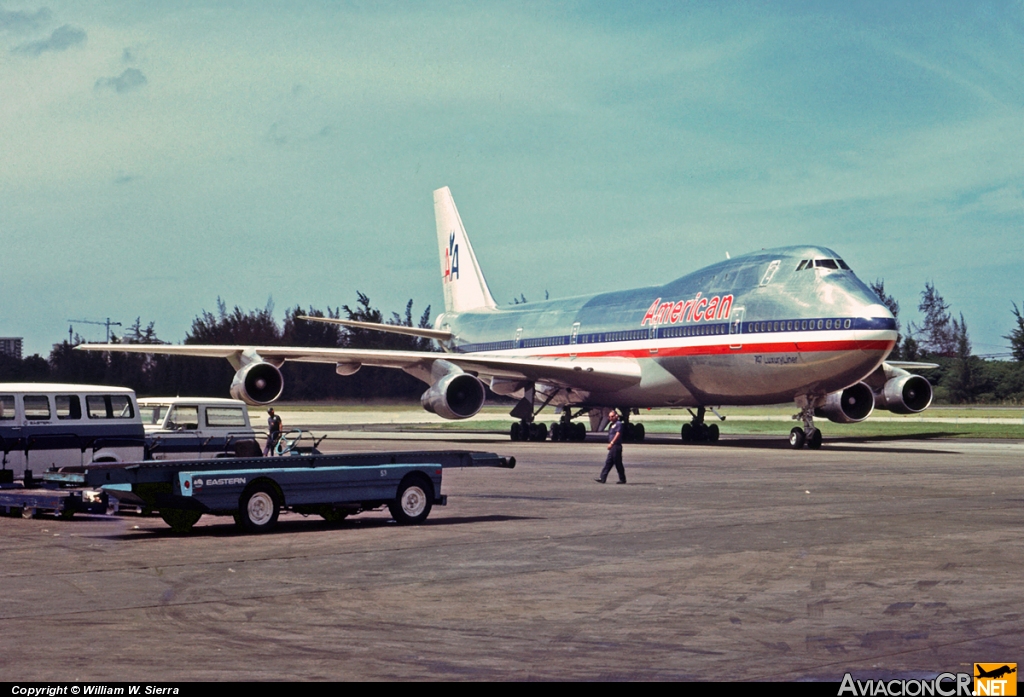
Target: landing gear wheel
{"points": [[258, 508], [515, 432], [686, 433], [413, 503], [639, 433], [539, 432], [814, 439], [556, 432], [796, 438], [579, 433], [181, 521], [713, 433]]}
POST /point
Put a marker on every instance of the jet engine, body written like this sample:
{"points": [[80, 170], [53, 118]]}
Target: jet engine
{"points": [[905, 394], [257, 383], [849, 406], [455, 394]]}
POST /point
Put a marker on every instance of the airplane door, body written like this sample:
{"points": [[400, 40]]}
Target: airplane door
{"points": [[736, 329], [515, 341], [769, 273], [572, 339]]}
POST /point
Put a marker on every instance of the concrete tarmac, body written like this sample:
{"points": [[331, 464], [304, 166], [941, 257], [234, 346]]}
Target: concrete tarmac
{"points": [[739, 561]]}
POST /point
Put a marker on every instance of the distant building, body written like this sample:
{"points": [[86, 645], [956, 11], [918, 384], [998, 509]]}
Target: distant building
{"points": [[11, 346]]}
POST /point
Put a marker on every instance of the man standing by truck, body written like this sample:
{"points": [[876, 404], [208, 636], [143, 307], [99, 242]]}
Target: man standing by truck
{"points": [[273, 430]]}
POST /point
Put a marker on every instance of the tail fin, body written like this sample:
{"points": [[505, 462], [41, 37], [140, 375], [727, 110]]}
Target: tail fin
{"points": [[463, 282]]}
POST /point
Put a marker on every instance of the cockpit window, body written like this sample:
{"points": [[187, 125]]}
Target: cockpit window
{"points": [[823, 264]]}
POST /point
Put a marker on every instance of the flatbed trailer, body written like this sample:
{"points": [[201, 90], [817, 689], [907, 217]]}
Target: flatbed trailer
{"points": [[28, 500], [254, 490]]}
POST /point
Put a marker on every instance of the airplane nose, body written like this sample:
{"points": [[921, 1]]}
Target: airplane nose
{"points": [[876, 326]]}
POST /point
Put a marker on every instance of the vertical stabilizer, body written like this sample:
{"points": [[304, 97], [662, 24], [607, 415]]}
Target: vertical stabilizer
{"points": [[463, 282]]}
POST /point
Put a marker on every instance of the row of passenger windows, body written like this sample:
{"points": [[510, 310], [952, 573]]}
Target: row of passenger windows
{"points": [[545, 341], [670, 332], [68, 406], [695, 330], [792, 325]]}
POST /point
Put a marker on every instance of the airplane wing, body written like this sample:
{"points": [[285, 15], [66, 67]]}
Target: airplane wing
{"points": [[393, 328], [595, 374], [911, 365]]}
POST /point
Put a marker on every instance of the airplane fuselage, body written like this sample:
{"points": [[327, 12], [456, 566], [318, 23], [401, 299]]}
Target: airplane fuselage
{"points": [[763, 328]]}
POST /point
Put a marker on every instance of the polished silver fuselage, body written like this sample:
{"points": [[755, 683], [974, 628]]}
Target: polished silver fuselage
{"points": [[771, 328]]}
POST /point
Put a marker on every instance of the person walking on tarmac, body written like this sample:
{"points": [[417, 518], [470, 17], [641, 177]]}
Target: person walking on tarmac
{"points": [[274, 430], [614, 450]]}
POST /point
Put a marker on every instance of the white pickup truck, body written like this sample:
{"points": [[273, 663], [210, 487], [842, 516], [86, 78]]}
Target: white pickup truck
{"points": [[196, 428]]}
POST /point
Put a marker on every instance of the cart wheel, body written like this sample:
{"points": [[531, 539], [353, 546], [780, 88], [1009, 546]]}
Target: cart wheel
{"points": [[413, 503], [181, 521], [333, 515], [258, 508]]}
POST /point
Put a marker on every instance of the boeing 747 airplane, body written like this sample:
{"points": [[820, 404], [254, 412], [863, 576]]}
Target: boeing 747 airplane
{"points": [[792, 324]]}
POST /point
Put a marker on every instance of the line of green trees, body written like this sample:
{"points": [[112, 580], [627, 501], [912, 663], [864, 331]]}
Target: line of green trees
{"points": [[962, 377], [156, 375]]}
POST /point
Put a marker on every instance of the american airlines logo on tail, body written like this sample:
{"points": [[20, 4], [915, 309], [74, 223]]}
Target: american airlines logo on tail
{"points": [[451, 260]]}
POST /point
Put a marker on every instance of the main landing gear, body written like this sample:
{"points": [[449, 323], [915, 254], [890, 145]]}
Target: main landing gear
{"points": [[528, 431], [697, 431], [808, 435], [566, 430]]}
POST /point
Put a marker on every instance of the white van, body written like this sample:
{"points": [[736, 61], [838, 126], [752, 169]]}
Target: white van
{"points": [[44, 425], [195, 428]]}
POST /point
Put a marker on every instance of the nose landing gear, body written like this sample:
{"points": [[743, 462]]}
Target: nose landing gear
{"points": [[808, 435]]}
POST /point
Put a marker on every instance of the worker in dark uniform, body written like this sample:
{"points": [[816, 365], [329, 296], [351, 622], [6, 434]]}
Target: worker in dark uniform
{"points": [[274, 430], [614, 449]]}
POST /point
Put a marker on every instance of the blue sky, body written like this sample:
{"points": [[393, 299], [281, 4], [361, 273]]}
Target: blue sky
{"points": [[155, 156]]}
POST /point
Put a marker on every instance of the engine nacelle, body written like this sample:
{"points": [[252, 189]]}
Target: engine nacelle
{"points": [[907, 394], [849, 406], [456, 395], [257, 384]]}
